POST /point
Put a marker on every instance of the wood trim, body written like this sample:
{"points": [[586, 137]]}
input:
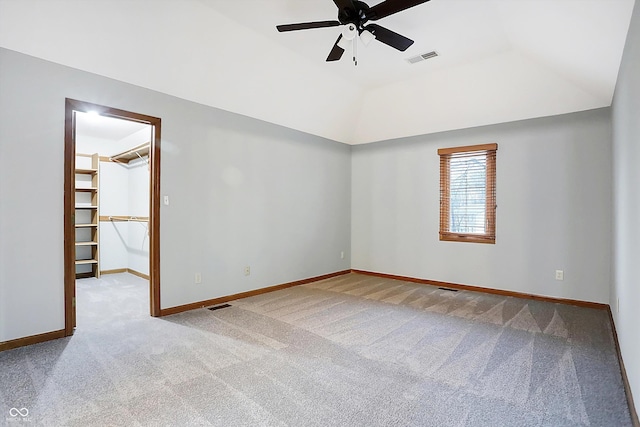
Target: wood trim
{"points": [[33, 339], [445, 202], [625, 380], [137, 273], [491, 195], [579, 303], [86, 275], [71, 106], [467, 149], [220, 300], [69, 249], [154, 220], [446, 236], [114, 271], [125, 270]]}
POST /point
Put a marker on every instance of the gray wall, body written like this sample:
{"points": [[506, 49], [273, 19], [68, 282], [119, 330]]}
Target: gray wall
{"points": [[242, 192], [626, 191], [554, 208]]}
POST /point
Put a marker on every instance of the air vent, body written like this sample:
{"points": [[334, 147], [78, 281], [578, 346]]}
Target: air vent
{"points": [[218, 307], [422, 57]]}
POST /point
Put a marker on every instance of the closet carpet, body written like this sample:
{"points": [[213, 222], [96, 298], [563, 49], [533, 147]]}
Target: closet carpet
{"points": [[352, 350]]}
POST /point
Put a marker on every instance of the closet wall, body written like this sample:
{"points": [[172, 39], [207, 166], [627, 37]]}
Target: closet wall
{"points": [[138, 205], [124, 191]]}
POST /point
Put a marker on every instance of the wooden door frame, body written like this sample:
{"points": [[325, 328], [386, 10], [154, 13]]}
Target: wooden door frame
{"points": [[71, 106]]}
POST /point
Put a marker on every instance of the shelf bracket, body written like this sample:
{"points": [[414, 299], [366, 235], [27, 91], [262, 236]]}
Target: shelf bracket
{"points": [[145, 160]]}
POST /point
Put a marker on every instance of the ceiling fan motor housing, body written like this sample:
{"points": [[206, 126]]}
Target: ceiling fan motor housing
{"points": [[357, 16]]}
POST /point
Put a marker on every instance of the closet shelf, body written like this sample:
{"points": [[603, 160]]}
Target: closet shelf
{"points": [[132, 154], [87, 171], [87, 212]]}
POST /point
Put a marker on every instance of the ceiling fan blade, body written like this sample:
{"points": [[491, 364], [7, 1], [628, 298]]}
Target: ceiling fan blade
{"points": [[344, 4], [336, 51], [389, 37], [389, 7], [307, 25]]}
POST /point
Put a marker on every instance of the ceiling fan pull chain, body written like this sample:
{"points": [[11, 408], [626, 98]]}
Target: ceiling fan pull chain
{"points": [[355, 51]]}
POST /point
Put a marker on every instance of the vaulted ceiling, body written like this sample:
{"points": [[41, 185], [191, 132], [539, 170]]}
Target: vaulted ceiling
{"points": [[499, 60]]}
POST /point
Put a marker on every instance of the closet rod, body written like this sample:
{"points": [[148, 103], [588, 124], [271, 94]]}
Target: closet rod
{"points": [[124, 218]]}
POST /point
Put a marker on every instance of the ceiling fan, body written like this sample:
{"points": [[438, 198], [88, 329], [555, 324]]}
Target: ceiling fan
{"points": [[354, 14]]}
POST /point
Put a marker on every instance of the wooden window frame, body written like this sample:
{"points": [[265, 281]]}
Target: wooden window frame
{"points": [[489, 236]]}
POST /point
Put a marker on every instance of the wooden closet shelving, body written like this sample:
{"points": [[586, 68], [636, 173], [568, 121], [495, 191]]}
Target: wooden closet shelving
{"points": [[87, 217], [135, 153]]}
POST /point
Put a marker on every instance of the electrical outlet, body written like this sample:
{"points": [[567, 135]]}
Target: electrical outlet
{"points": [[342, 255], [166, 200], [559, 275], [198, 278], [247, 271]]}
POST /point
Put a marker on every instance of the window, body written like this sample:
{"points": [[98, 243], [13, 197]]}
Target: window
{"points": [[468, 193]]}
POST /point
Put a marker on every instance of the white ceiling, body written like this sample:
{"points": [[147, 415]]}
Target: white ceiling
{"points": [[109, 128], [500, 60]]}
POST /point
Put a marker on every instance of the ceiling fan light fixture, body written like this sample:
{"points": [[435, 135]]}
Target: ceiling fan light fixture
{"points": [[349, 32], [344, 44], [366, 37]]}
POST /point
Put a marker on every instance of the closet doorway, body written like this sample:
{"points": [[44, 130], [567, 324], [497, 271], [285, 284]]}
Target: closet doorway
{"points": [[111, 198]]}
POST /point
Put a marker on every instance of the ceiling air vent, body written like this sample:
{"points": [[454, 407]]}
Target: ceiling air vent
{"points": [[422, 57]]}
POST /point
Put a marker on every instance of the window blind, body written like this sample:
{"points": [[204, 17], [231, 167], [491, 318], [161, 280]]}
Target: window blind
{"points": [[468, 193]]}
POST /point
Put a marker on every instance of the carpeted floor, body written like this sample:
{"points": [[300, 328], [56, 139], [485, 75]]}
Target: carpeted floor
{"points": [[348, 351]]}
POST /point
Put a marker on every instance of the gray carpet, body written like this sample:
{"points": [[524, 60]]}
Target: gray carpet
{"points": [[349, 351]]}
